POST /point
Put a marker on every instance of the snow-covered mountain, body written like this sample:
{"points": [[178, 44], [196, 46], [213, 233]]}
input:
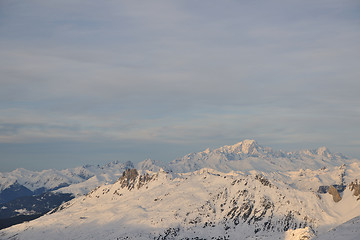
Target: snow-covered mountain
{"points": [[26, 195], [80, 180], [243, 191], [248, 155]]}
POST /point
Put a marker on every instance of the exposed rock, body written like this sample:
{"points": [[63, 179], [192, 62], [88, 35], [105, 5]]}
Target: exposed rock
{"points": [[336, 196], [131, 179], [264, 181], [143, 179], [128, 178], [325, 189], [355, 186]]}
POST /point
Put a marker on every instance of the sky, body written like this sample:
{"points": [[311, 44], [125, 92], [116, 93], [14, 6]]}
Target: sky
{"points": [[90, 82]]}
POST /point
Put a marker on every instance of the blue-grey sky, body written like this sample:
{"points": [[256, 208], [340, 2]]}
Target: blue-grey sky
{"points": [[86, 81]]}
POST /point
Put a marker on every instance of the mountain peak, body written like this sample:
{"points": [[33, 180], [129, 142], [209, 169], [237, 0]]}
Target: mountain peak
{"points": [[247, 146], [324, 151], [249, 155], [149, 164], [246, 142]]}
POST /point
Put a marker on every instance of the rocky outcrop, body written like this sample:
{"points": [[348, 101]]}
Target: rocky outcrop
{"points": [[131, 179], [128, 178], [143, 179], [325, 189], [355, 187], [335, 190], [264, 181], [336, 196]]}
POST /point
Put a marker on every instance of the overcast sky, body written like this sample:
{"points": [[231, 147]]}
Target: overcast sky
{"points": [[85, 81]]}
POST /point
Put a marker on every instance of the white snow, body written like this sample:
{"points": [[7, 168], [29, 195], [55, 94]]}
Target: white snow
{"points": [[77, 180], [248, 155], [300, 233], [346, 231]]}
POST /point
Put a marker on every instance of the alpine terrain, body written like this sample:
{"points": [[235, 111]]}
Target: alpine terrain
{"points": [[242, 191], [26, 195]]}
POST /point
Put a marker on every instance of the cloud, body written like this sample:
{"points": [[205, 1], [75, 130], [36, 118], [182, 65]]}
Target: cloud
{"points": [[183, 73]]}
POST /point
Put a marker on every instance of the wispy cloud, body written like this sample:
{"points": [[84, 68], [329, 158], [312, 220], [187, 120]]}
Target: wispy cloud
{"points": [[183, 73]]}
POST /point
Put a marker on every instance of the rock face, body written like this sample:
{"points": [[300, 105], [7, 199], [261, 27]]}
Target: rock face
{"points": [[336, 196], [355, 186], [127, 180], [325, 189], [132, 180]]}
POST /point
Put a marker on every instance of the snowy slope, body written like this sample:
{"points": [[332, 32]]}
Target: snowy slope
{"points": [[206, 204], [248, 155], [311, 180], [349, 231]]}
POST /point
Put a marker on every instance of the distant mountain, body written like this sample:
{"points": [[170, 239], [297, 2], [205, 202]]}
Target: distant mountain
{"points": [[248, 155], [22, 182], [150, 165], [13, 191]]}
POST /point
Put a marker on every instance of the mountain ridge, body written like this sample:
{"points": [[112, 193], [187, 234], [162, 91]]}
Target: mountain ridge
{"points": [[247, 155]]}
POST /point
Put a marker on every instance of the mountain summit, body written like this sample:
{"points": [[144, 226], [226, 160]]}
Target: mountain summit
{"points": [[247, 146], [248, 155]]}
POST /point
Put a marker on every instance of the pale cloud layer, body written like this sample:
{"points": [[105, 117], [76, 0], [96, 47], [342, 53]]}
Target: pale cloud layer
{"points": [[124, 80]]}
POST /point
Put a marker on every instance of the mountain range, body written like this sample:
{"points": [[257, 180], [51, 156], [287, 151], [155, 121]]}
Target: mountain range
{"points": [[242, 191]]}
